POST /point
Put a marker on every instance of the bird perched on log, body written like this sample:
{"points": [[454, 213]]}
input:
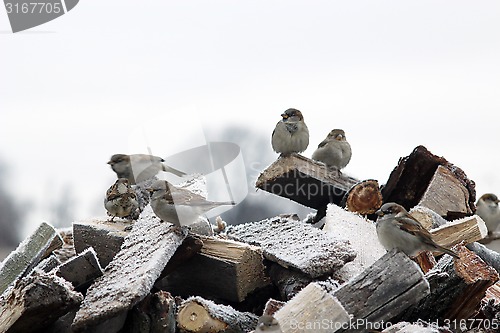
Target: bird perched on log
{"points": [[121, 200], [396, 228], [140, 167], [179, 206], [290, 134], [487, 209], [334, 151], [268, 324]]}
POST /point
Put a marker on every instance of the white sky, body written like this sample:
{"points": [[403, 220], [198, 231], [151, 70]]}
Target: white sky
{"points": [[392, 74]]}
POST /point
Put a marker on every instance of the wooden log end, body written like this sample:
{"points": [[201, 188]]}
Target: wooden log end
{"points": [[363, 198]]}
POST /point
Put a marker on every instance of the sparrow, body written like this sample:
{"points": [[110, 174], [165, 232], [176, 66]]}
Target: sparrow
{"points": [[396, 228], [120, 199], [267, 323], [179, 206], [487, 209], [139, 167], [291, 134], [334, 151]]}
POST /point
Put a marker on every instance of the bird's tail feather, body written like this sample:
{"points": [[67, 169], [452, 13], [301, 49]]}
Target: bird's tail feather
{"points": [[176, 172]]}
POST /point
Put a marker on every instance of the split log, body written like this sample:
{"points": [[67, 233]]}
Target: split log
{"points": [[468, 230], [457, 288], [28, 254], [383, 291], [191, 245], [428, 218], [223, 269], [131, 274], [314, 309], [104, 236], [81, 270], [305, 181], [446, 193], [35, 302], [272, 306], [363, 198], [412, 178], [294, 244], [362, 236], [198, 315], [48, 264], [288, 282], [155, 313]]}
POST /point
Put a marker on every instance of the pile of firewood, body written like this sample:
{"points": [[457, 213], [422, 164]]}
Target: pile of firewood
{"points": [[145, 276]]}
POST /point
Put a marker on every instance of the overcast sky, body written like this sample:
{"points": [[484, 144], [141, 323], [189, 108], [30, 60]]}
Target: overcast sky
{"points": [[393, 74]]}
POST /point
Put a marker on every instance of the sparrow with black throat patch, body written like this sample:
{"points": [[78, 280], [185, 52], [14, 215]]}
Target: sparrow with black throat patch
{"points": [[121, 200]]}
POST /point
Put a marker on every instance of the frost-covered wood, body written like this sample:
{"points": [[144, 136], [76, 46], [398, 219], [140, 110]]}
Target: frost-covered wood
{"points": [[457, 288], [36, 301], [224, 269], [103, 236], [411, 178], [314, 309], [48, 264], [305, 181], [428, 218], [468, 229], [490, 257], [130, 276], [294, 244], [363, 198], [384, 290], [28, 254], [81, 270], [154, 314], [289, 282], [198, 315], [67, 251], [272, 306], [362, 236]]}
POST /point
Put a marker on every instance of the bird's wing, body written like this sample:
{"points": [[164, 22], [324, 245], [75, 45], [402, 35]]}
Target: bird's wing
{"points": [[412, 226], [323, 143], [112, 193]]}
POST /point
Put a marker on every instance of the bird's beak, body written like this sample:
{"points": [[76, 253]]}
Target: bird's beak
{"points": [[284, 115], [339, 137], [110, 162], [379, 213]]}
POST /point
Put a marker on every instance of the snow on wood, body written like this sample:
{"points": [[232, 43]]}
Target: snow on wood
{"points": [[384, 290], [272, 306], [457, 288], [48, 264], [104, 236], [28, 254], [313, 309], [294, 244], [36, 301], [490, 257], [305, 181], [223, 269], [81, 270], [362, 236], [131, 274], [199, 315], [468, 229]]}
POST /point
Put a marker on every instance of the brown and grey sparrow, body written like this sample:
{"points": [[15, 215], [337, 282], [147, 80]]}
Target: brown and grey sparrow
{"points": [[291, 134], [121, 200], [140, 167], [488, 210], [179, 206], [268, 324], [396, 229], [334, 151]]}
